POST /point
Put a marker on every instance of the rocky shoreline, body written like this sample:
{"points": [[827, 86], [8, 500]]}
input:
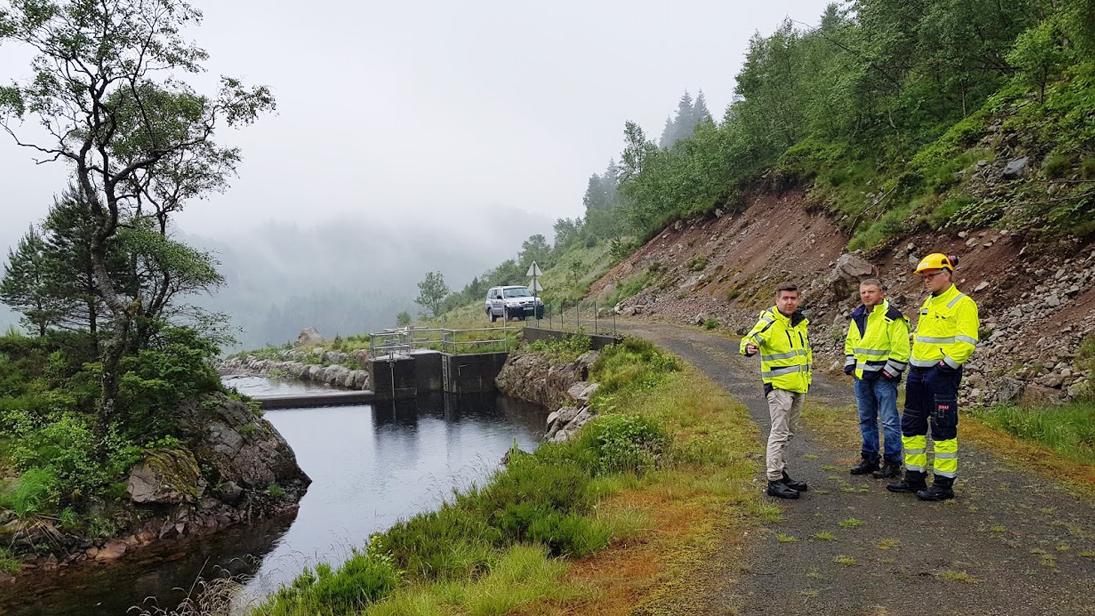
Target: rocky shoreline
{"points": [[564, 386], [230, 466], [334, 368]]}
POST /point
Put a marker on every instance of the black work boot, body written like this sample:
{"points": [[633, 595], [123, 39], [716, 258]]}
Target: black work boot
{"points": [[889, 470], [866, 465], [940, 490], [781, 490], [798, 486], [913, 482]]}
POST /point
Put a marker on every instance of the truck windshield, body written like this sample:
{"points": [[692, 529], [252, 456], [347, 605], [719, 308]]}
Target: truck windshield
{"points": [[517, 292]]}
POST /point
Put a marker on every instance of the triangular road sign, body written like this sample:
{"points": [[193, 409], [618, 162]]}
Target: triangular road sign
{"points": [[534, 270]]}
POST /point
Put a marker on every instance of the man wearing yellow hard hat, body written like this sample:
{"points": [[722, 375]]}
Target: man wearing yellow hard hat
{"points": [[945, 337]]}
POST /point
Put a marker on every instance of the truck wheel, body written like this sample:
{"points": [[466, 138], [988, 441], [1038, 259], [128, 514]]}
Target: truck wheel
{"points": [[490, 313]]}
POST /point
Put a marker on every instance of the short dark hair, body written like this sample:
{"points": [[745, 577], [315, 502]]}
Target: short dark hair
{"points": [[786, 286], [873, 282]]}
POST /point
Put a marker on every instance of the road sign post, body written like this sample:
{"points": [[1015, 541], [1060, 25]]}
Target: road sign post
{"points": [[534, 272]]}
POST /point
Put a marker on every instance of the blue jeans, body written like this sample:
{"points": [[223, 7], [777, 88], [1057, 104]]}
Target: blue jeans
{"points": [[875, 398]]}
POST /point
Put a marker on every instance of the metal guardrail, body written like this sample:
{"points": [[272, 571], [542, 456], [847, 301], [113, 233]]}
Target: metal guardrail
{"points": [[575, 317], [403, 340]]}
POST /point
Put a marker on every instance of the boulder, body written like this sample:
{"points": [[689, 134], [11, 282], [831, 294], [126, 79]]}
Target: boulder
{"points": [[309, 337], [577, 392], [239, 446], [111, 551], [165, 476], [1040, 395], [852, 268], [1016, 167]]}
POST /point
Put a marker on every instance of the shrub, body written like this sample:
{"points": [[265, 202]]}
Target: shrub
{"points": [[562, 486], [1056, 165], [1087, 168], [177, 367], [36, 491], [627, 443], [361, 580], [711, 323], [698, 264], [81, 463], [449, 543]]}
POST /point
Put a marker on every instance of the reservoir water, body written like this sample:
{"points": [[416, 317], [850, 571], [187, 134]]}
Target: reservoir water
{"points": [[370, 466]]}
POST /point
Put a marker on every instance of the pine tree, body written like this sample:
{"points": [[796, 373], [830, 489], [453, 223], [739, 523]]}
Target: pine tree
{"points": [[27, 281]]}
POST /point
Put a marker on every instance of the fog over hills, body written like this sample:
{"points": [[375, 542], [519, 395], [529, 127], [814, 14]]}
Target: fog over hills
{"points": [[349, 275]]}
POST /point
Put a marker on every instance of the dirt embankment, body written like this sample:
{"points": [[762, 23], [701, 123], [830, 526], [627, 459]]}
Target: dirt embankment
{"points": [[1037, 302]]}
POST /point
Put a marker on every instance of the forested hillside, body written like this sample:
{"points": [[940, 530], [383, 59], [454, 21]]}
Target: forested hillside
{"points": [[897, 117]]}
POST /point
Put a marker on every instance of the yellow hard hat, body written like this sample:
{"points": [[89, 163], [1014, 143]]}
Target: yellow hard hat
{"points": [[936, 260]]}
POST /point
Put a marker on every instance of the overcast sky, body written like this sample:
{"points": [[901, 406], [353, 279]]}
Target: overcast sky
{"points": [[436, 113]]}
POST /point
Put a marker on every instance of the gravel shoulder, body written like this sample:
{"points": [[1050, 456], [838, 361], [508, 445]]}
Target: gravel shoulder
{"points": [[1012, 542]]}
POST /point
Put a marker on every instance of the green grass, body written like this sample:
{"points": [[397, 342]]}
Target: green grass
{"points": [[845, 560], [521, 576], [785, 538], [562, 351], [888, 543], [824, 536], [955, 576], [8, 563], [851, 523], [1068, 430]]}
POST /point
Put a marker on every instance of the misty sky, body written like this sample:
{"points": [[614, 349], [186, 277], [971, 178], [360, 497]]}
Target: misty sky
{"points": [[482, 119]]}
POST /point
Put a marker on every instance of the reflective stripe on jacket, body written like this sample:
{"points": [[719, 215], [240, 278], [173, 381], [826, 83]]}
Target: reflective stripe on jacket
{"points": [[946, 330], [786, 360], [877, 341]]}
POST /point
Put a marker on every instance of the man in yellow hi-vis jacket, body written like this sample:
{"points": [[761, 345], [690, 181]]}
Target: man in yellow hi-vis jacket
{"points": [[946, 334], [876, 351], [785, 363]]}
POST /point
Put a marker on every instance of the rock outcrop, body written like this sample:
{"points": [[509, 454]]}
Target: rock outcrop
{"points": [[536, 378], [228, 466]]}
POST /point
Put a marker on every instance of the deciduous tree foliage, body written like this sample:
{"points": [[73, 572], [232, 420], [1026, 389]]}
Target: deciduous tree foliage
{"points": [[107, 88], [431, 292]]}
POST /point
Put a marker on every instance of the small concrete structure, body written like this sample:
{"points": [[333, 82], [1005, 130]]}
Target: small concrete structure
{"points": [[332, 398], [472, 373], [393, 377], [406, 376], [596, 341], [428, 371]]}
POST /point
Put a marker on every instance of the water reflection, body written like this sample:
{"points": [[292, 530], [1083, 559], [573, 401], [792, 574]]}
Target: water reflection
{"points": [[370, 466]]}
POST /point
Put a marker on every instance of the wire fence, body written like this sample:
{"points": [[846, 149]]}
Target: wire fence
{"points": [[589, 317]]}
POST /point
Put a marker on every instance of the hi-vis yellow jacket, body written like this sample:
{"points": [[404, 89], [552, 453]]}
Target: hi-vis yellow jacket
{"points": [[785, 356], [946, 330], [877, 342]]}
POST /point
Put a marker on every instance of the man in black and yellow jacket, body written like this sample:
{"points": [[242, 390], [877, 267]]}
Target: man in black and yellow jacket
{"points": [[785, 363], [876, 351], [946, 334]]}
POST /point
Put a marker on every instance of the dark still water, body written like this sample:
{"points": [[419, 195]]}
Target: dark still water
{"points": [[370, 467]]}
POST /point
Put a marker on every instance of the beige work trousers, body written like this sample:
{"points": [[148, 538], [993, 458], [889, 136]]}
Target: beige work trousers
{"points": [[785, 408]]}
